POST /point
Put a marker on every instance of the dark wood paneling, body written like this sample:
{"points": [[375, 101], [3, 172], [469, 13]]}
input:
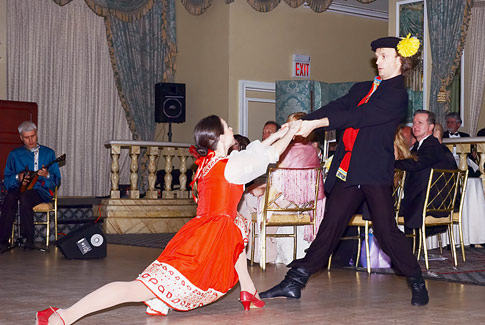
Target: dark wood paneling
{"points": [[13, 113]]}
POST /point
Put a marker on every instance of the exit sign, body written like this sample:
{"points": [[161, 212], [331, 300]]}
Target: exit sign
{"points": [[301, 66]]}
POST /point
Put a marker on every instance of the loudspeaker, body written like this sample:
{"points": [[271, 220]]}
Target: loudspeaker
{"points": [[169, 102], [88, 241]]}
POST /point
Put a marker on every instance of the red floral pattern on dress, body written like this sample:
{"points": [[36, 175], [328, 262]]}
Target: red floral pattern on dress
{"points": [[173, 288]]}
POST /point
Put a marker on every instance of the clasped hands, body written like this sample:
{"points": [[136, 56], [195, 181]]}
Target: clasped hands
{"points": [[299, 127]]}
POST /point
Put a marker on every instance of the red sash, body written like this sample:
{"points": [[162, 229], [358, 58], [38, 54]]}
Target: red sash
{"points": [[350, 135]]}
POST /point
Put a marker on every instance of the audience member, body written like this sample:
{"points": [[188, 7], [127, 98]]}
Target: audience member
{"points": [[301, 153], [402, 142], [240, 143], [430, 154], [30, 157], [407, 133], [473, 162], [453, 123], [438, 132], [269, 128], [481, 133]]}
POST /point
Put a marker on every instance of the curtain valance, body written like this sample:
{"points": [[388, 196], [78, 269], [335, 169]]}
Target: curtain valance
{"points": [[198, 7], [125, 10]]}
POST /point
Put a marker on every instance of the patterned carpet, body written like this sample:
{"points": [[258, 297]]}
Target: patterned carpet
{"points": [[441, 268]]}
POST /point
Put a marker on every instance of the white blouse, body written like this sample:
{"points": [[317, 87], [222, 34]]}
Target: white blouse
{"points": [[245, 165]]}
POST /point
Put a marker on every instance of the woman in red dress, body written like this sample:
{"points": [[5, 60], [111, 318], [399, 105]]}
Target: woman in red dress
{"points": [[206, 258]]}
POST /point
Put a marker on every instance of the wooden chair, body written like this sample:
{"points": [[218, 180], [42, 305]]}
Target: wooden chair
{"points": [[292, 209], [440, 198], [47, 208], [457, 215]]}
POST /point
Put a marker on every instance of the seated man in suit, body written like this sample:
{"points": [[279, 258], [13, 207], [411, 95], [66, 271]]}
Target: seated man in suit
{"points": [[269, 128], [453, 123], [430, 153], [481, 133], [31, 157]]}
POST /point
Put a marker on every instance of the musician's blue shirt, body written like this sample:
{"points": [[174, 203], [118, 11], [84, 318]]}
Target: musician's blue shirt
{"points": [[20, 158]]}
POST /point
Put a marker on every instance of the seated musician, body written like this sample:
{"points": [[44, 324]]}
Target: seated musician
{"points": [[30, 178]]}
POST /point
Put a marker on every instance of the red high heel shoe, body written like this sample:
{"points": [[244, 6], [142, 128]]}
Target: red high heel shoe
{"points": [[42, 317], [248, 300]]}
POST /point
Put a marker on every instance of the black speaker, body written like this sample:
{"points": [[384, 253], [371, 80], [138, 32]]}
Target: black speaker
{"points": [[169, 102], [88, 241]]}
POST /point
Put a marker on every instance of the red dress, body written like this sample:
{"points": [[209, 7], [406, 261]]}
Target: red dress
{"points": [[197, 266]]}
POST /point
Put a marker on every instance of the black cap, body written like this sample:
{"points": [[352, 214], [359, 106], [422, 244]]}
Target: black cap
{"points": [[390, 42]]}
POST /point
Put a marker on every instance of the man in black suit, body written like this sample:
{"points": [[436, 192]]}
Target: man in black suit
{"points": [[453, 123], [481, 133], [362, 169], [430, 153]]}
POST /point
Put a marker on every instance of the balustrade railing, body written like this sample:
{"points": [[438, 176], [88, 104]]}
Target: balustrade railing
{"points": [[462, 147], [171, 153]]}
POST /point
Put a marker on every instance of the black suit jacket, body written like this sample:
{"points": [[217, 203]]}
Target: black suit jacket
{"points": [[431, 154], [481, 133], [372, 160], [446, 134]]}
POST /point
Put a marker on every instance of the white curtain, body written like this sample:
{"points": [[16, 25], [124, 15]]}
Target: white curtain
{"points": [[58, 57], [476, 77]]}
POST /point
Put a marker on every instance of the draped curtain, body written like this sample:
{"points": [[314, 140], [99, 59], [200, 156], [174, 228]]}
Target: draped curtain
{"points": [[141, 48], [411, 21], [198, 7], [142, 54], [58, 58], [141, 39], [476, 79], [448, 23]]}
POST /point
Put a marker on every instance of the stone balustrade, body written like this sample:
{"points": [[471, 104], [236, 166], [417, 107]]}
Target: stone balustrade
{"points": [[462, 147], [150, 214], [170, 151]]}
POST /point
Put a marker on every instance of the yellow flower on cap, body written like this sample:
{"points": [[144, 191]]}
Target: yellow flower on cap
{"points": [[408, 46]]}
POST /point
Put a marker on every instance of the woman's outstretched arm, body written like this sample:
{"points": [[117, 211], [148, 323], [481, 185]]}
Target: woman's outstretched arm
{"points": [[244, 166]]}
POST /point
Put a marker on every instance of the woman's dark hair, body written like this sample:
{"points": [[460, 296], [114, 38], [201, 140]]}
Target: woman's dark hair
{"points": [[242, 140], [206, 134]]}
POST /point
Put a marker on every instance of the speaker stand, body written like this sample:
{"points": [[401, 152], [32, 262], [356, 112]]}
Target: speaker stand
{"points": [[169, 131]]}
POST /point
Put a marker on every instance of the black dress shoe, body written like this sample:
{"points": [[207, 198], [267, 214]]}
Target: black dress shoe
{"points": [[418, 288], [291, 286]]}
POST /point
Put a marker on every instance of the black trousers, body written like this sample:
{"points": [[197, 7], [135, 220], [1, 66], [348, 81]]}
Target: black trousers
{"points": [[28, 200], [341, 205]]}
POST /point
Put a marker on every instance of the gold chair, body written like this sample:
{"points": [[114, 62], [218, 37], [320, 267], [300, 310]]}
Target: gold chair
{"points": [[47, 208], [440, 198], [293, 209], [398, 189], [398, 194], [457, 215], [358, 221]]}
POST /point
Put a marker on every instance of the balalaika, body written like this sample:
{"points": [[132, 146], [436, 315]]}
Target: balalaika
{"points": [[30, 177]]}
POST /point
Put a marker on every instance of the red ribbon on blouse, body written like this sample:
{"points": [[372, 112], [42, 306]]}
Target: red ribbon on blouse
{"points": [[200, 161]]}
